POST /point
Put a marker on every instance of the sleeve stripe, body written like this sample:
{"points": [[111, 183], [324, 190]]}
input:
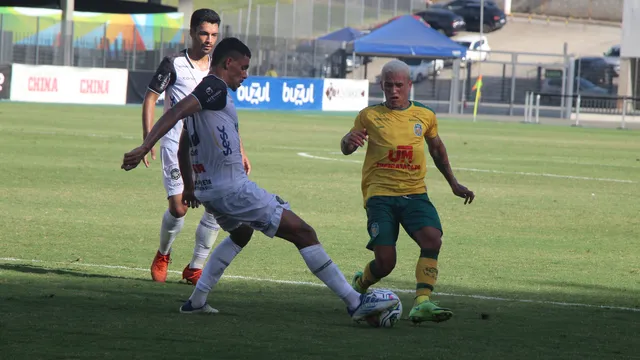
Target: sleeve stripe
{"points": [[150, 89]]}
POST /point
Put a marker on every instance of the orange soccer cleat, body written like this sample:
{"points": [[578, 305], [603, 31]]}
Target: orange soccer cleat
{"points": [[191, 276], [159, 267]]}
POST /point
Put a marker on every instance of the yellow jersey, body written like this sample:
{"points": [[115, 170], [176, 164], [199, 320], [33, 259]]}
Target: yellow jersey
{"points": [[395, 163]]}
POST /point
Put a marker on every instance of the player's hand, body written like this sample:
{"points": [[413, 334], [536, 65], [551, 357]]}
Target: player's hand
{"points": [[247, 164], [461, 191], [189, 199], [133, 158], [153, 157], [357, 138]]}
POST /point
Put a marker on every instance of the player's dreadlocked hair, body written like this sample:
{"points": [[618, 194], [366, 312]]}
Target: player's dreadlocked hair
{"points": [[204, 16], [229, 47]]}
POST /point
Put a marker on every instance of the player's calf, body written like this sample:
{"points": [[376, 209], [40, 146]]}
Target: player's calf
{"points": [[377, 269]]}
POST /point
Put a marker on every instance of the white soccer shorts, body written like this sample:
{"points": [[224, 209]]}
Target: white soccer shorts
{"points": [[251, 206], [171, 177]]}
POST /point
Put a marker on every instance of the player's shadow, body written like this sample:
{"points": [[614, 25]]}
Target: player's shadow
{"points": [[34, 269]]}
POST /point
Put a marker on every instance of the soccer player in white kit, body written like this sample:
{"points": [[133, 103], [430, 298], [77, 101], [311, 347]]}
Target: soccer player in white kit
{"points": [[176, 77], [224, 188]]}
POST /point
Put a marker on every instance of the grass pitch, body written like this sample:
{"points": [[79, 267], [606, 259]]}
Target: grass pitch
{"points": [[555, 221]]}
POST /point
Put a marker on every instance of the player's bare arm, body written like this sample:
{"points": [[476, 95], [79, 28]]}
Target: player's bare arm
{"points": [[184, 162], [148, 107], [186, 107], [245, 158], [439, 154], [352, 141]]}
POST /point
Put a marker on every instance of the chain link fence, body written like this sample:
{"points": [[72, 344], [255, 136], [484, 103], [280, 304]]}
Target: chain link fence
{"points": [[310, 18], [293, 51]]}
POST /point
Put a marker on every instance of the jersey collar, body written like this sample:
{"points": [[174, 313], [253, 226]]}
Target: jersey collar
{"points": [[185, 53]]}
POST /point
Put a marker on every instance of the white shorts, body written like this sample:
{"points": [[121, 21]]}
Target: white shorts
{"points": [[250, 205], [171, 177]]}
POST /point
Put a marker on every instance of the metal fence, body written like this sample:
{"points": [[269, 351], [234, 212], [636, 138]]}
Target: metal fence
{"points": [[310, 18], [123, 48], [507, 76]]}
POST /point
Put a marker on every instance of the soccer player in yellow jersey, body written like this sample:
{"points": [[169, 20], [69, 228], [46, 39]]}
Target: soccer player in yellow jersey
{"points": [[393, 186]]}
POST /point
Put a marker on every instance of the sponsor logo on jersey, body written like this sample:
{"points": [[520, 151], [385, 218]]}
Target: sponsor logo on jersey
{"points": [[224, 137], [400, 158]]}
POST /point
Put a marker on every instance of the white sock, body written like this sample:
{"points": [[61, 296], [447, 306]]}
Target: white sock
{"points": [[221, 257], [323, 267], [170, 228], [206, 235]]}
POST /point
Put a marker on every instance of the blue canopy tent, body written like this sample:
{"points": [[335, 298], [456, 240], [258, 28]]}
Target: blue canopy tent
{"points": [[407, 37], [347, 34]]}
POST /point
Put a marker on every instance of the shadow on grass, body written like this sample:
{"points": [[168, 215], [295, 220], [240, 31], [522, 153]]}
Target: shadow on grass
{"points": [[103, 316], [35, 269]]}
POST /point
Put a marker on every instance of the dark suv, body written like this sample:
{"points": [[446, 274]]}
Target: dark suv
{"points": [[443, 20], [494, 18]]}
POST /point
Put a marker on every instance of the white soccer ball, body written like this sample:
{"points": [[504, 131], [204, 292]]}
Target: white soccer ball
{"points": [[389, 317]]}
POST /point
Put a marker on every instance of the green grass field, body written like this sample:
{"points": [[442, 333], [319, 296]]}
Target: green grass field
{"points": [[78, 234]]}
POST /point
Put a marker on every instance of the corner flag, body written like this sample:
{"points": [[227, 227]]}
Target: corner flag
{"points": [[478, 89]]}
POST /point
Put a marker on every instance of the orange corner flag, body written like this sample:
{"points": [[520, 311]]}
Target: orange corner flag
{"points": [[478, 84]]}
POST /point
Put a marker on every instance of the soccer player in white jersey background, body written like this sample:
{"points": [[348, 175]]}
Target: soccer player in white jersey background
{"points": [[176, 77], [223, 187]]}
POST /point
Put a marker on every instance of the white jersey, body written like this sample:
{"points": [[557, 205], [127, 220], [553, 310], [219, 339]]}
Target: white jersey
{"points": [[176, 76], [216, 159]]}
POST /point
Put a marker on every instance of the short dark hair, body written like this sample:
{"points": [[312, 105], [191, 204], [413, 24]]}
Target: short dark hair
{"points": [[202, 16], [229, 47]]}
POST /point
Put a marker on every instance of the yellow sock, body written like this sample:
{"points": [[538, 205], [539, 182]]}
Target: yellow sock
{"points": [[426, 274], [368, 278]]}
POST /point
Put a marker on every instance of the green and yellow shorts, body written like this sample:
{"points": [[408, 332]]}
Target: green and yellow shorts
{"points": [[385, 214]]}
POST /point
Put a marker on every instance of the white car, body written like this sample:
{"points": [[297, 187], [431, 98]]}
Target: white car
{"points": [[477, 48], [422, 68]]}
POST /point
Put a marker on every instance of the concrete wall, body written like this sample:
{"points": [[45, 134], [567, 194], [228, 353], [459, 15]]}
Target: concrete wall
{"points": [[603, 10]]}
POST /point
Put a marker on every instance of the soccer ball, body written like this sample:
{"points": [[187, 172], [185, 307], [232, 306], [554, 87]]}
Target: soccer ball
{"points": [[389, 317]]}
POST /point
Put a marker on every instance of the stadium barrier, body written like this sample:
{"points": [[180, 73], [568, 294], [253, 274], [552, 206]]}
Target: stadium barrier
{"points": [[76, 85], [608, 108], [5, 82], [68, 85], [270, 93]]}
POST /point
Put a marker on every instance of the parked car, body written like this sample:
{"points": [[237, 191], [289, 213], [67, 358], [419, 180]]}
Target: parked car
{"points": [[443, 20], [477, 48], [494, 17], [551, 91], [422, 68], [612, 57], [595, 69]]}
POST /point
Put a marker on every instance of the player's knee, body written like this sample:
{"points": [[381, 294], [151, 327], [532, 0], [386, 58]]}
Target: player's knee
{"points": [[429, 238], [178, 211], [241, 236], [385, 263]]}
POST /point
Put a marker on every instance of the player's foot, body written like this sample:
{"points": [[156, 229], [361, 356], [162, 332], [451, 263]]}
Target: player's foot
{"points": [[191, 276], [371, 305], [159, 267], [429, 311], [187, 308], [354, 282]]}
